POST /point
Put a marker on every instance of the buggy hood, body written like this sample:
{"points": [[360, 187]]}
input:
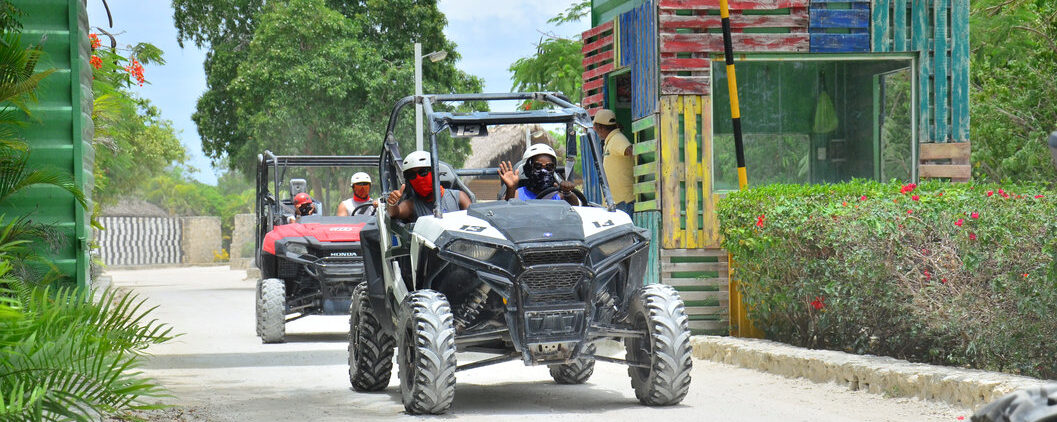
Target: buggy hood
{"points": [[323, 232]]}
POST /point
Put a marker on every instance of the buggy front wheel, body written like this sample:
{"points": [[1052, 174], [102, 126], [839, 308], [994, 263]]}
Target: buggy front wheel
{"points": [[426, 338], [659, 312]]}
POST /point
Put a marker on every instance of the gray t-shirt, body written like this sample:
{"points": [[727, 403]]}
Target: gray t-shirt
{"points": [[449, 201]]}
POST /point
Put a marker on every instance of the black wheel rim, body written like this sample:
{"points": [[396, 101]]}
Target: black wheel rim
{"points": [[642, 349], [410, 353]]}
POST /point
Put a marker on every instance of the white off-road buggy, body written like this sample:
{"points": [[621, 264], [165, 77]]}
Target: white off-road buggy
{"points": [[540, 280]]}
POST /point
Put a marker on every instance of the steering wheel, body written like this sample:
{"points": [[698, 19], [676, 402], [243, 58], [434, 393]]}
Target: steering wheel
{"points": [[364, 207], [549, 191]]}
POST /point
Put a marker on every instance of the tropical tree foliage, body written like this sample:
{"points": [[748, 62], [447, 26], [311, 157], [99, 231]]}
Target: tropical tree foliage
{"points": [[312, 76], [132, 142], [1014, 99]]}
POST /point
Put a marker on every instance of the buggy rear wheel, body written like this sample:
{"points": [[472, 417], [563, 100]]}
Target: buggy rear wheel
{"points": [[659, 312], [370, 347], [576, 372], [426, 337], [271, 319]]}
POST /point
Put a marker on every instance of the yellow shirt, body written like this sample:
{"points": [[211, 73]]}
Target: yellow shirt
{"points": [[618, 167]]}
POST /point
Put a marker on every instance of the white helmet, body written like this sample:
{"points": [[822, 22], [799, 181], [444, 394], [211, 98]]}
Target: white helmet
{"points": [[360, 177], [538, 149], [416, 160]]}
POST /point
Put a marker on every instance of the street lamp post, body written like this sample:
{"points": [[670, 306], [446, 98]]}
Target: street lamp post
{"points": [[433, 57]]}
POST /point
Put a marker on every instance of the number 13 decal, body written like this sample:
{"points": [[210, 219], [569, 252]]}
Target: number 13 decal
{"points": [[608, 223]]}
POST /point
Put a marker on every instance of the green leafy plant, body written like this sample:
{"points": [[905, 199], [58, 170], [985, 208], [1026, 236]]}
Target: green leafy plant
{"points": [[952, 274]]}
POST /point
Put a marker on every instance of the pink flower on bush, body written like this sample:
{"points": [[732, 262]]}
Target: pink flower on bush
{"points": [[914, 198], [910, 211], [972, 236], [908, 188], [943, 280], [959, 222], [818, 303], [1038, 196], [862, 198], [990, 193], [975, 215], [928, 275], [759, 221], [939, 194]]}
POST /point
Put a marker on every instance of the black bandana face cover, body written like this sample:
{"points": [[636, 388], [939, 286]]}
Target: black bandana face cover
{"points": [[539, 178]]}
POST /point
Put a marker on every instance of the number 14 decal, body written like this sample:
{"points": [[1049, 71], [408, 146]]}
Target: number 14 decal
{"points": [[472, 229], [608, 223]]}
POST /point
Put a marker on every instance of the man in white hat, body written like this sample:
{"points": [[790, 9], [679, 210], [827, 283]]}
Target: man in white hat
{"points": [[617, 161], [540, 163], [361, 195], [418, 172]]}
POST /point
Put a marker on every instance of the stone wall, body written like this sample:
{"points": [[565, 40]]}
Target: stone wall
{"points": [[242, 236], [201, 239]]}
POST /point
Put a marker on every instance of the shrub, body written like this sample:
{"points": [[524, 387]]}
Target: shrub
{"points": [[941, 273]]}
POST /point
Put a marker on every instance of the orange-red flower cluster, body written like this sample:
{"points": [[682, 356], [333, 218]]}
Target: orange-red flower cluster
{"points": [[759, 221], [908, 188], [136, 70], [94, 39], [95, 61], [818, 303]]}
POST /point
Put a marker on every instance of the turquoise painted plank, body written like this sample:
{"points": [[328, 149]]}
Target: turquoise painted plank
{"points": [[882, 38], [940, 70], [651, 220], [899, 24], [960, 70], [920, 37]]}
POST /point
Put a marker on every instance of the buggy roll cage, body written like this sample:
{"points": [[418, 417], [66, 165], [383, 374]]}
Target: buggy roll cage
{"points": [[279, 163], [567, 112]]}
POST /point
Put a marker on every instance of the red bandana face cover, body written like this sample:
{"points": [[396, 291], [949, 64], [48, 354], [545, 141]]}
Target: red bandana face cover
{"points": [[423, 185], [362, 193]]}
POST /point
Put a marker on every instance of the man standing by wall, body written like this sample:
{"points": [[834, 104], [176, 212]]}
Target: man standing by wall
{"points": [[617, 161]]}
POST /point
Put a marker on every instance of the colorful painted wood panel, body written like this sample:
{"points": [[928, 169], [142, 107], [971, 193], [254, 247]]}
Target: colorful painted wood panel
{"points": [[638, 52], [687, 202], [651, 220], [840, 26], [701, 278], [647, 163], [690, 30], [599, 55]]}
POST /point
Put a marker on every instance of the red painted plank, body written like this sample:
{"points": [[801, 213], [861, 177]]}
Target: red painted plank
{"points": [[698, 43], [680, 85], [594, 84], [598, 58], [674, 64], [732, 4], [599, 71], [594, 99], [608, 26], [798, 18], [597, 45]]}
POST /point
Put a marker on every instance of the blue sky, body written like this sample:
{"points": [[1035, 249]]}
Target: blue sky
{"points": [[490, 34]]}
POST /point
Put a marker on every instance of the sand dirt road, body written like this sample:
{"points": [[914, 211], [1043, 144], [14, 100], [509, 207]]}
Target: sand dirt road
{"points": [[219, 371]]}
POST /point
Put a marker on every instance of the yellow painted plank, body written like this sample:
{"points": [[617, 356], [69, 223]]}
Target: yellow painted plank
{"points": [[650, 205], [710, 231], [691, 163], [671, 233], [694, 266], [668, 253]]}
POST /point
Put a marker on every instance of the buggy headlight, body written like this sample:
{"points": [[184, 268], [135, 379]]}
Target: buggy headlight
{"points": [[615, 245], [478, 251], [297, 248]]}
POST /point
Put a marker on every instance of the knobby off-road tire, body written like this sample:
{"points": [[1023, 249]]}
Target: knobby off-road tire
{"points": [[370, 347], [659, 310], [426, 337], [257, 307], [272, 316], [1030, 405], [576, 372]]}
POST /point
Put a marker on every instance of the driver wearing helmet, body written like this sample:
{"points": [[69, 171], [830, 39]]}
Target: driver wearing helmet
{"points": [[418, 172], [540, 161], [361, 196], [302, 206]]}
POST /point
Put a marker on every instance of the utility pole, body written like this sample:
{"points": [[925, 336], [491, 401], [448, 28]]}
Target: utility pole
{"points": [[418, 92]]}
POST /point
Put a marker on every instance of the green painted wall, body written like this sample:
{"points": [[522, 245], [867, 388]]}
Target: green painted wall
{"points": [[61, 136], [606, 10]]}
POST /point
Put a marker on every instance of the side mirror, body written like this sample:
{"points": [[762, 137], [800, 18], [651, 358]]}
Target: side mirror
{"points": [[1053, 147]]}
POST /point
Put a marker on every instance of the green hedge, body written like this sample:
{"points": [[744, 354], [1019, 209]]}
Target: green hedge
{"points": [[956, 274]]}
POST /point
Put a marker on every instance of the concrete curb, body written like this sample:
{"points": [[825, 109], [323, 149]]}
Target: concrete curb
{"points": [[163, 266], [875, 374]]}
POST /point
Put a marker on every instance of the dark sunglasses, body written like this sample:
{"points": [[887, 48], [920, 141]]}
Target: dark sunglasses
{"points": [[306, 208], [361, 184], [413, 174], [537, 166]]}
